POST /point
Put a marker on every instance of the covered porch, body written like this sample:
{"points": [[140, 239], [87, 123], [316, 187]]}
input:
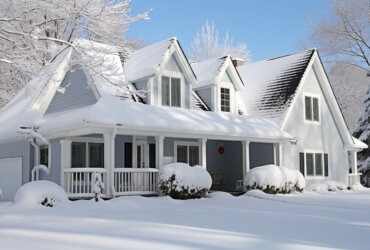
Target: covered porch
{"points": [[129, 164]]}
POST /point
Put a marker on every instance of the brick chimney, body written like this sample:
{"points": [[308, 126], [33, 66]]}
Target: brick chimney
{"points": [[238, 62]]}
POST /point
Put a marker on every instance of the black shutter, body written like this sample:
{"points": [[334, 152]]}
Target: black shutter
{"points": [[128, 155], [326, 164], [152, 155], [301, 163]]}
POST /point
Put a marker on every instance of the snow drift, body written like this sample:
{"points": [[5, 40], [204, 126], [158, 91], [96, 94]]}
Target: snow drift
{"points": [[180, 181], [327, 186], [43, 193], [274, 179]]}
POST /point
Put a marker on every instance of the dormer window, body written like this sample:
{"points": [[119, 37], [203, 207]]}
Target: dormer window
{"points": [[225, 99], [171, 91], [311, 108]]}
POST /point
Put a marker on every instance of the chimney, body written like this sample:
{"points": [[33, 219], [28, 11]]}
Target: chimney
{"points": [[238, 62]]}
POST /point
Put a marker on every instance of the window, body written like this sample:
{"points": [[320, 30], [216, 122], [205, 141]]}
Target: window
{"points": [[311, 108], [171, 91], [87, 154], [188, 154], [225, 99], [314, 164], [44, 156]]}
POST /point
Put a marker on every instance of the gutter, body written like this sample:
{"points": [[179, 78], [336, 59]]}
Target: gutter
{"points": [[31, 132]]}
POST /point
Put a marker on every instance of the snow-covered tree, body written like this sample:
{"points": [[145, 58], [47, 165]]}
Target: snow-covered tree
{"points": [[33, 32], [345, 37], [207, 44]]}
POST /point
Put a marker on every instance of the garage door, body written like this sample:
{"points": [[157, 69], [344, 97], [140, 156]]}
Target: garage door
{"points": [[10, 176]]}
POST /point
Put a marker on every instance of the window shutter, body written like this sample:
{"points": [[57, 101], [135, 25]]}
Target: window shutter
{"points": [[152, 155], [301, 163], [326, 164], [315, 104], [128, 155], [175, 92]]}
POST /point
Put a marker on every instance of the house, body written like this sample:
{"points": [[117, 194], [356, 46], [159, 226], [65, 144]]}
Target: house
{"points": [[294, 91], [88, 112]]}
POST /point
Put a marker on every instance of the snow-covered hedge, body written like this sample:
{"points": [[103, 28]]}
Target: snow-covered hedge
{"points": [[43, 193], [327, 186], [274, 179], [180, 181]]}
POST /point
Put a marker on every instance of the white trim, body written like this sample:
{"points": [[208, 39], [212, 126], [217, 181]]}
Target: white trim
{"points": [[187, 144], [311, 96]]}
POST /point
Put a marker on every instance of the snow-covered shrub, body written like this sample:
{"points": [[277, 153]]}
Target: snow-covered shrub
{"points": [[274, 179], [43, 193], [180, 181], [97, 185], [327, 186]]}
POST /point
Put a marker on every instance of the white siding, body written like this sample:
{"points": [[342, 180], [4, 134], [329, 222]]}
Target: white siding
{"points": [[323, 137]]}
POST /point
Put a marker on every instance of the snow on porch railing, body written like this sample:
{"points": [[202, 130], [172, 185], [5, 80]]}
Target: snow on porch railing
{"points": [[131, 181], [78, 182]]}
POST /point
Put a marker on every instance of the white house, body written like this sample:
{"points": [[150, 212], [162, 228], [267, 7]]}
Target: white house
{"points": [[90, 112]]}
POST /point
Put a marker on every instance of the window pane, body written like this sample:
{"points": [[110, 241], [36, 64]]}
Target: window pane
{"points": [[225, 99], [318, 164], [193, 155], [138, 156], [175, 92], [44, 156], [308, 108], [309, 164], [165, 91], [78, 155], [182, 154], [96, 155], [315, 104]]}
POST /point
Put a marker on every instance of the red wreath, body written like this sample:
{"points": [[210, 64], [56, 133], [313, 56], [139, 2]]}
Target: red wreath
{"points": [[221, 150]]}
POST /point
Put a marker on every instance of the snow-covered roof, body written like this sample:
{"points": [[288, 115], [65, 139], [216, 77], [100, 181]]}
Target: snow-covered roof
{"points": [[271, 84], [210, 71], [197, 102], [207, 71], [140, 117], [359, 144]]}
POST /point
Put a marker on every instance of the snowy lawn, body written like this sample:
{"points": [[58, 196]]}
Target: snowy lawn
{"points": [[220, 221]]}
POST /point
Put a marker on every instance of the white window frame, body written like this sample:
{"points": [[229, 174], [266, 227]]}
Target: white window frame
{"points": [[310, 95], [86, 140], [230, 93], [187, 144], [172, 74], [314, 152]]}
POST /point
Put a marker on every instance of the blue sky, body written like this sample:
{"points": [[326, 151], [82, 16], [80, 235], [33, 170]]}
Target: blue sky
{"points": [[270, 28]]}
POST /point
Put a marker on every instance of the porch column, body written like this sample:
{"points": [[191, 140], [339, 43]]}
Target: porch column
{"points": [[203, 152], [277, 154], [281, 163], [66, 159], [246, 159], [109, 148], [354, 162], [159, 142]]}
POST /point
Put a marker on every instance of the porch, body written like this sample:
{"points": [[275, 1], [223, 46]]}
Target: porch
{"points": [[129, 164]]}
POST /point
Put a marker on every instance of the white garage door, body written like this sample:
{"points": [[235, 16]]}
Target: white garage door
{"points": [[10, 176]]}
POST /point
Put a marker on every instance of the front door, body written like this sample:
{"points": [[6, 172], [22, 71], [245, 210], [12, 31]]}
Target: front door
{"points": [[140, 156]]}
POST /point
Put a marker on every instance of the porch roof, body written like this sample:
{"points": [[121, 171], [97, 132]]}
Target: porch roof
{"points": [[113, 112]]}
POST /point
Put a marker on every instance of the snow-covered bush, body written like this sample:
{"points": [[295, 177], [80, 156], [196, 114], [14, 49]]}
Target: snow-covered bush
{"points": [[43, 193], [327, 186], [97, 186], [180, 181], [274, 179]]}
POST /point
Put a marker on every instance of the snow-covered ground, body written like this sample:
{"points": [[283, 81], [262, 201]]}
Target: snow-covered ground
{"points": [[220, 221]]}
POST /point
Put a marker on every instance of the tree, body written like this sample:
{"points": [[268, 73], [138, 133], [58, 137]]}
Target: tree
{"points": [[207, 44], [33, 32], [344, 38]]}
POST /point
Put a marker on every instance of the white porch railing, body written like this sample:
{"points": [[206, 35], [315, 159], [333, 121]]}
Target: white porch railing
{"points": [[135, 181], [78, 182]]}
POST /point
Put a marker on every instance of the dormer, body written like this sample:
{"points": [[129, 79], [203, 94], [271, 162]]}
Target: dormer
{"points": [[217, 84], [162, 74]]}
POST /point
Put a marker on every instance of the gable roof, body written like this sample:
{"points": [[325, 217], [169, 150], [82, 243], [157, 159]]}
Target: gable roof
{"points": [[209, 72], [272, 84], [148, 61]]}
